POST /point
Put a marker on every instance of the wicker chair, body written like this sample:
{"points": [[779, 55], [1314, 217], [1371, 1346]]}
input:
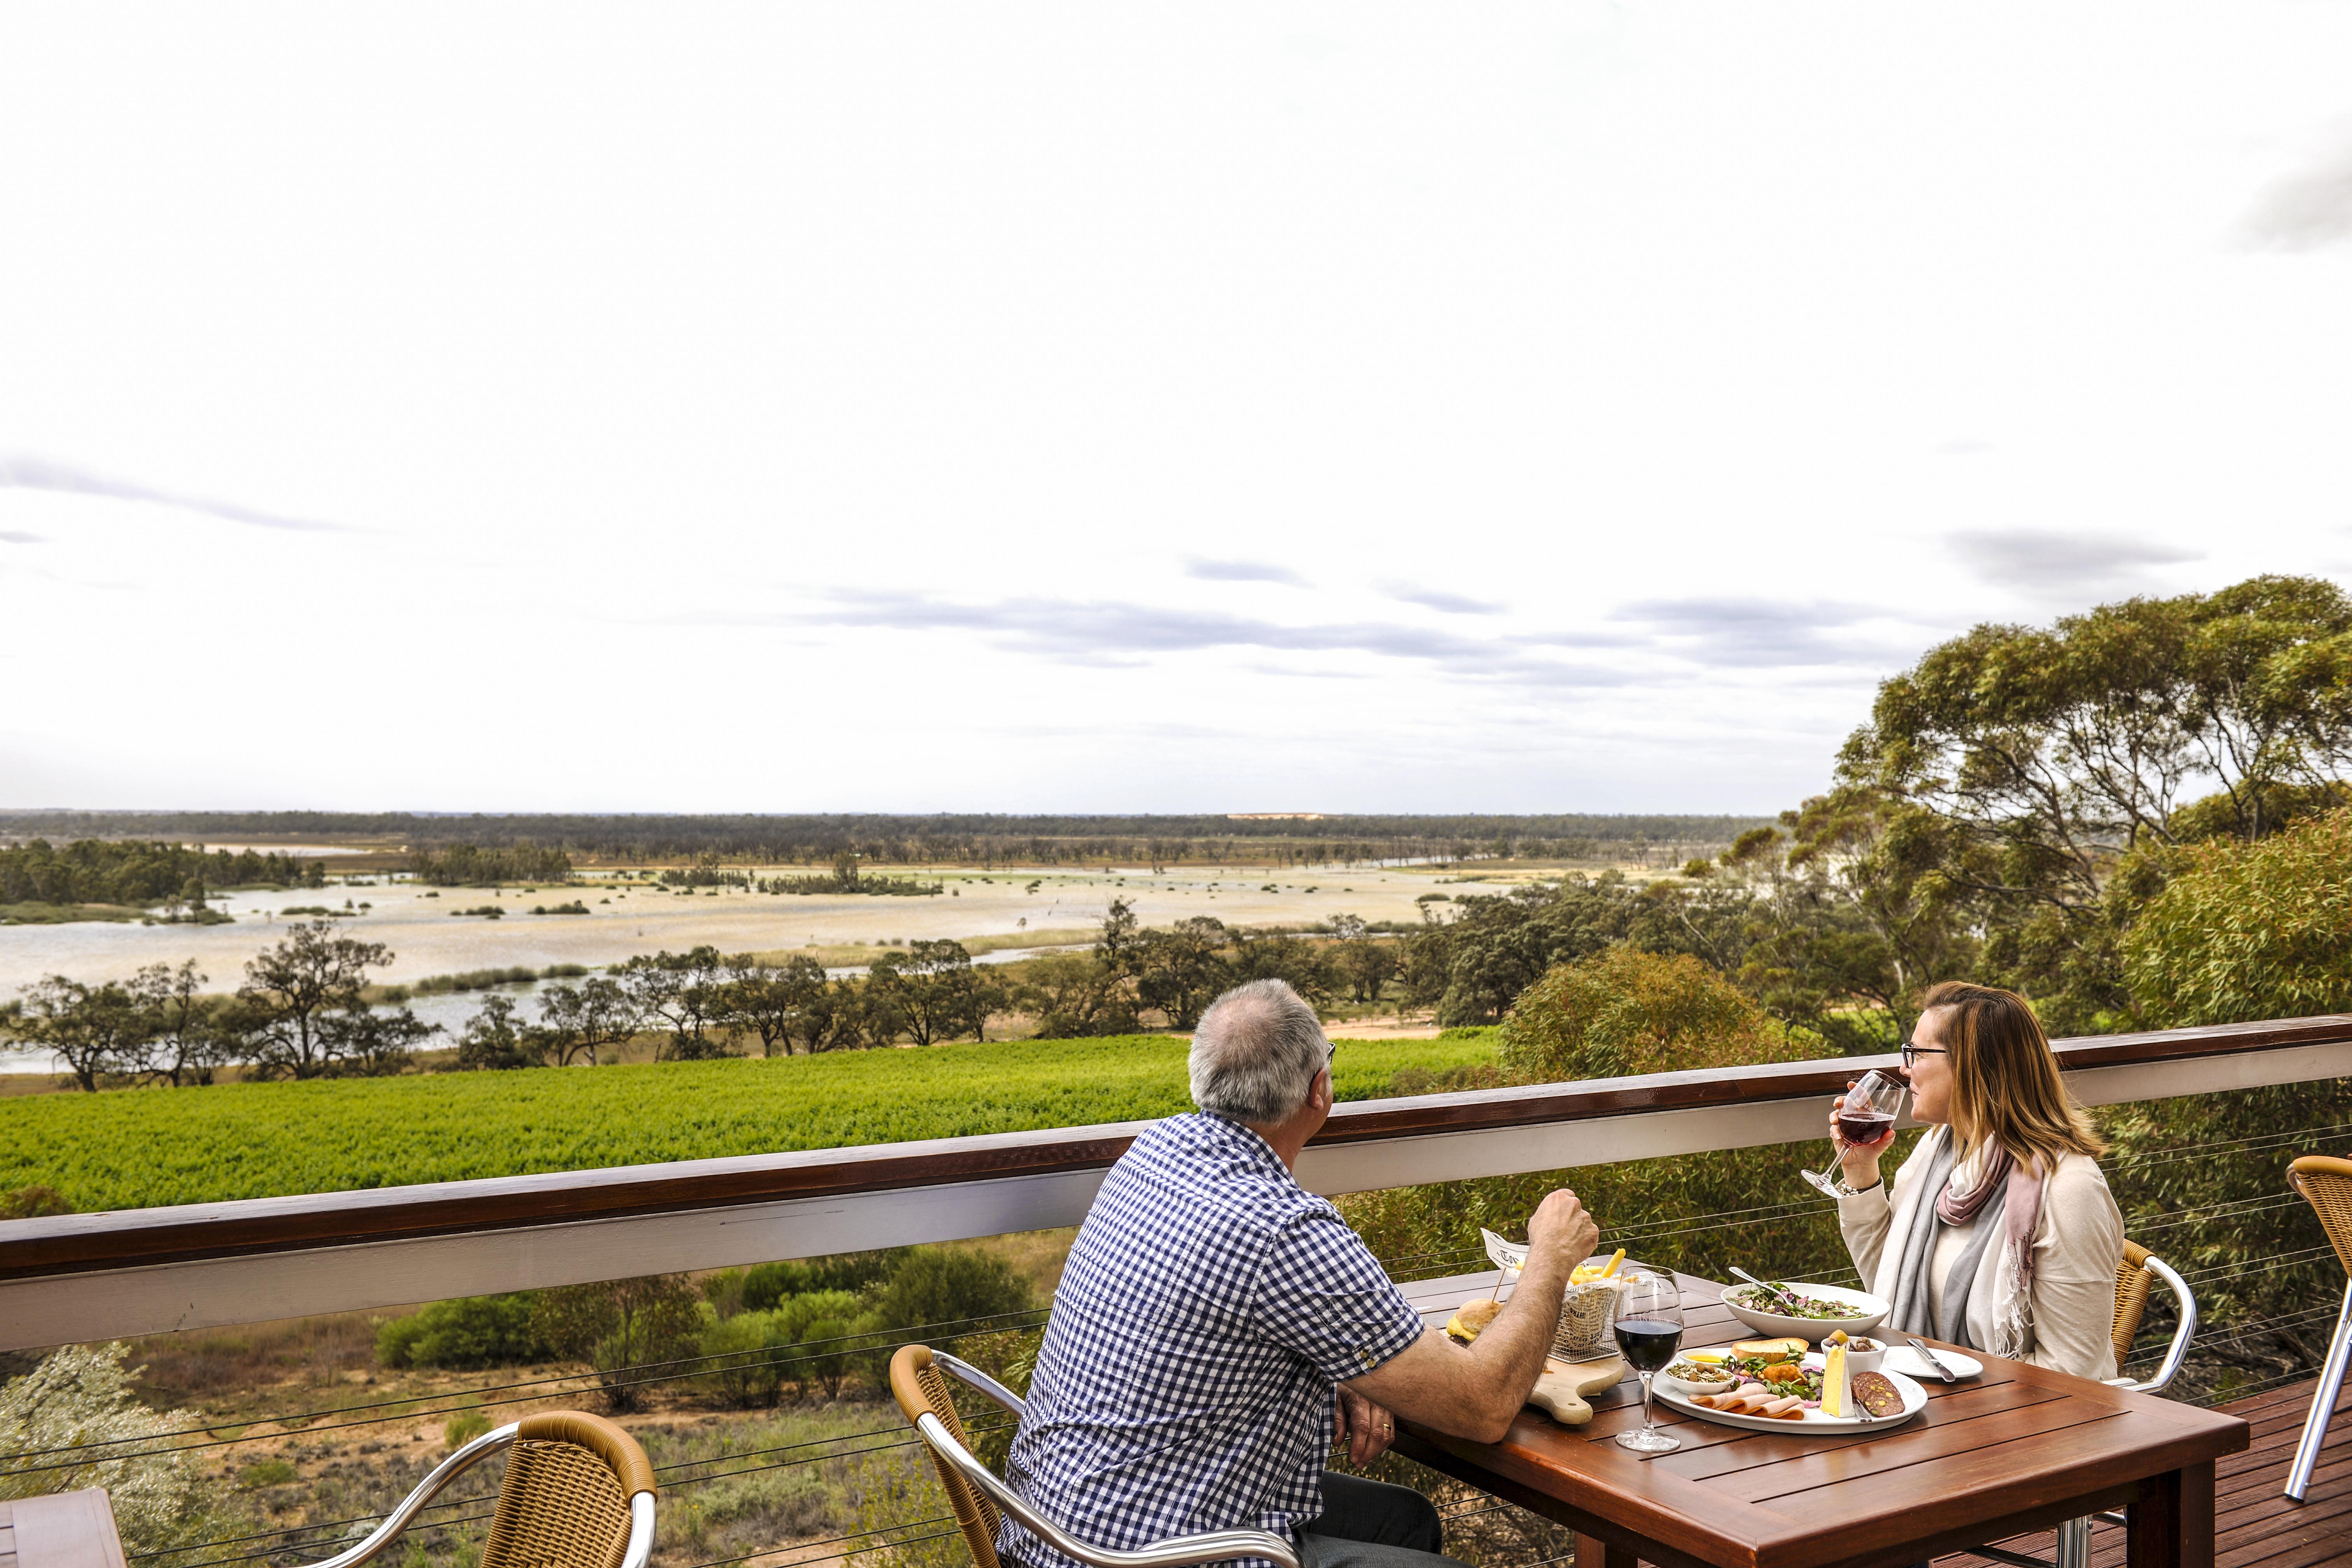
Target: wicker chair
{"points": [[2136, 1279], [578, 1493], [2135, 1276], [980, 1499], [2326, 1184]]}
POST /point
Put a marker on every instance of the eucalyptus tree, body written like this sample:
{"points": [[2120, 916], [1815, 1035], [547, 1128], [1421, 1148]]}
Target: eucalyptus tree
{"points": [[2021, 784]]}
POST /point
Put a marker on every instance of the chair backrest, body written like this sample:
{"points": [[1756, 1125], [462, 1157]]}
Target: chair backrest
{"points": [[922, 1390], [2325, 1182], [565, 1502], [2134, 1279]]}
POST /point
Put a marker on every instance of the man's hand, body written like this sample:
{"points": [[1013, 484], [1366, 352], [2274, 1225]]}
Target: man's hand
{"points": [[1477, 1393], [1560, 1228], [1364, 1426]]}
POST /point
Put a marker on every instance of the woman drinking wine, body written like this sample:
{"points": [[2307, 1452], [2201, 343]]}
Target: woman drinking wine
{"points": [[2000, 1233]]}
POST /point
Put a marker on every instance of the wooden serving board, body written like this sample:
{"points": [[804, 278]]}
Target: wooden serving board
{"points": [[1561, 1386]]}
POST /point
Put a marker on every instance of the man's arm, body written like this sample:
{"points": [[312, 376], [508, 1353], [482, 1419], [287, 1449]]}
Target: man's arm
{"points": [[1474, 1393]]}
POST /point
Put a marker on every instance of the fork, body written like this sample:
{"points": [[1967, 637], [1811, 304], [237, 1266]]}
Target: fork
{"points": [[1781, 1292]]}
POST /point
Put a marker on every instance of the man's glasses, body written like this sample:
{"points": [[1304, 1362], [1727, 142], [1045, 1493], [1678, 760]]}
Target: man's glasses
{"points": [[1912, 1053]]}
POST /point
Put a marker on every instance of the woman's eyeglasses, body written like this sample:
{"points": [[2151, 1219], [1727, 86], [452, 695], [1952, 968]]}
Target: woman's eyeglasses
{"points": [[1912, 1053]]}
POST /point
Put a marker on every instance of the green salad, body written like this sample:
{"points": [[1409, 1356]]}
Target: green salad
{"points": [[1795, 1304]]}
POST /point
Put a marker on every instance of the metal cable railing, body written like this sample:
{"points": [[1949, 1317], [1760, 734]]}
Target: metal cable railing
{"points": [[810, 1453], [699, 1366]]}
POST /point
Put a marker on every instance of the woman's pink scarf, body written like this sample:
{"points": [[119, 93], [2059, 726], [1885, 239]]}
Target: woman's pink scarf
{"points": [[2020, 1214]]}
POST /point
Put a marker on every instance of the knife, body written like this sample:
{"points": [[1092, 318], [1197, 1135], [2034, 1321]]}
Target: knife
{"points": [[1942, 1370]]}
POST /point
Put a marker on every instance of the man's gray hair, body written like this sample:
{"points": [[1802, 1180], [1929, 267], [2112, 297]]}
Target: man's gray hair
{"points": [[1255, 1053]]}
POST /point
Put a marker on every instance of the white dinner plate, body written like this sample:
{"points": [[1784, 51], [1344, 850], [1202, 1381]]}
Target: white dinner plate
{"points": [[1814, 1425], [1904, 1358]]}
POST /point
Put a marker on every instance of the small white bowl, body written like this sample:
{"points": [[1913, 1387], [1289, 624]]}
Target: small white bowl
{"points": [[1867, 1311], [1866, 1360]]}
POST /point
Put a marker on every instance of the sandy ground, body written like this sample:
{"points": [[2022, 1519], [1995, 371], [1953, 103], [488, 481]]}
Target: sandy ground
{"points": [[426, 938]]}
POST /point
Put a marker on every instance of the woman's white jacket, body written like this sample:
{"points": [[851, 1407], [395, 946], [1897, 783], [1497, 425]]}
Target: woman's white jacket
{"points": [[2077, 1245]]}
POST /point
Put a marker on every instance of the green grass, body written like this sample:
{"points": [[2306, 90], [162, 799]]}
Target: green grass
{"points": [[65, 914], [139, 1148]]}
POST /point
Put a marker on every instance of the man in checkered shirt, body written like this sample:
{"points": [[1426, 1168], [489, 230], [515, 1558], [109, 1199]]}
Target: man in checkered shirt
{"points": [[1218, 1328]]}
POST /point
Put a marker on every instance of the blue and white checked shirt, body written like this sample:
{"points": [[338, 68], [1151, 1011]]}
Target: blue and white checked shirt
{"points": [[1186, 1381]]}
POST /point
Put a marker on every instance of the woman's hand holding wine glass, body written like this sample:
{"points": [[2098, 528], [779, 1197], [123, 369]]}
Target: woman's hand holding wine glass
{"points": [[1862, 1126], [1862, 1133]]}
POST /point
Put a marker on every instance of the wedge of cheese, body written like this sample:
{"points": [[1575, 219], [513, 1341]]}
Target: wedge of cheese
{"points": [[1837, 1382]]}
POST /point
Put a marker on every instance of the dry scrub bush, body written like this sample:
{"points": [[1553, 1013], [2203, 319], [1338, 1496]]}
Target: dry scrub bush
{"points": [[80, 1398]]}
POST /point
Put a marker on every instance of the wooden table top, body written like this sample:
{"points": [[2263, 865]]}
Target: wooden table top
{"points": [[63, 1529], [2016, 1443]]}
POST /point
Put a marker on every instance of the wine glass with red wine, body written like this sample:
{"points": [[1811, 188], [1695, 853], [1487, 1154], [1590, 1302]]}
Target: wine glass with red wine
{"points": [[1649, 1332], [1866, 1115]]}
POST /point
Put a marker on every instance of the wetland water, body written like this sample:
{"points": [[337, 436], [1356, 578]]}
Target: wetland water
{"points": [[427, 939]]}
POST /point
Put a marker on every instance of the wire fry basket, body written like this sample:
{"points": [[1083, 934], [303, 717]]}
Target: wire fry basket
{"points": [[1588, 1315]]}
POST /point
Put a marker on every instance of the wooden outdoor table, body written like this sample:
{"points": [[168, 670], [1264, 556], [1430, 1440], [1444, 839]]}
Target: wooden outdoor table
{"points": [[2017, 1450], [64, 1529]]}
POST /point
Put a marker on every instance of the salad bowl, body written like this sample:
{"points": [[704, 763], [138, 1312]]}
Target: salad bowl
{"points": [[1838, 1307]]}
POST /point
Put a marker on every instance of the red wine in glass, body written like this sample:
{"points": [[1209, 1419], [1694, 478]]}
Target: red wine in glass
{"points": [[1649, 1325], [1647, 1344], [1866, 1113], [1862, 1126]]}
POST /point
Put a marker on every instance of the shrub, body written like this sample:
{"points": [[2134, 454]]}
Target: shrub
{"points": [[751, 1346], [473, 1331], [619, 1326], [770, 1283], [80, 1398], [464, 1427], [794, 1315], [950, 1285], [724, 1291], [1622, 1011], [266, 1473], [835, 1348]]}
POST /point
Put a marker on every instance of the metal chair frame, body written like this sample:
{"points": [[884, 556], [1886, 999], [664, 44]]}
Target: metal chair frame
{"points": [[2339, 1346], [2073, 1536], [1181, 1551], [2178, 1351], [641, 1506]]}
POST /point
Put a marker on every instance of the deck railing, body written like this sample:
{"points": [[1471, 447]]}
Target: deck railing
{"points": [[78, 1277], [85, 1278]]}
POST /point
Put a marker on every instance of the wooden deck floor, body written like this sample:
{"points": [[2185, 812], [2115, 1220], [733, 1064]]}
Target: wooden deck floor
{"points": [[2256, 1526]]}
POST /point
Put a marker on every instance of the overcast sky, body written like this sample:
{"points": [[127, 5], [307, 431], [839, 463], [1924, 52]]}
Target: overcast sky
{"points": [[1122, 407]]}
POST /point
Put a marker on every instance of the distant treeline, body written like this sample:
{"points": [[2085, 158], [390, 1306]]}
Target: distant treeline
{"points": [[950, 837], [706, 872], [465, 866], [138, 872]]}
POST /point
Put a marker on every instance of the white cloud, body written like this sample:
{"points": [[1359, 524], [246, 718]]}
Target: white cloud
{"points": [[1560, 404]]}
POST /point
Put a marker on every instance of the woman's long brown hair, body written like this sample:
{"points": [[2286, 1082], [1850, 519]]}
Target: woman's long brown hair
{"points": [[2005, 1082]]}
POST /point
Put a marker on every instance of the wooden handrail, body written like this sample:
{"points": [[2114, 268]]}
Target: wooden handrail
{"points": [[77, 1243]]}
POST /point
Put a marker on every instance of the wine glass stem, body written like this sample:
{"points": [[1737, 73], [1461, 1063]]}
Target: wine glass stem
{"points": [[1649, 1421]]}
